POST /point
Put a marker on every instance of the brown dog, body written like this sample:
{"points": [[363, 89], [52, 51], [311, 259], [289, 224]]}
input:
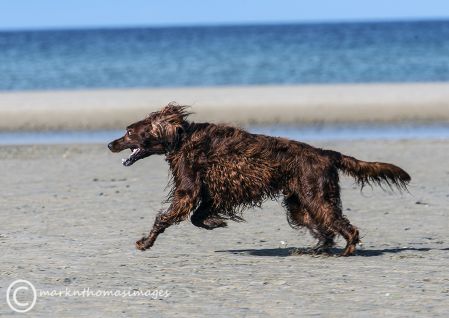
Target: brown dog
{"points": [[219, 170]]}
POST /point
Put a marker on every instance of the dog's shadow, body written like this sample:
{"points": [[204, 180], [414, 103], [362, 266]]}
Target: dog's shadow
{"points": [[292, 251]]}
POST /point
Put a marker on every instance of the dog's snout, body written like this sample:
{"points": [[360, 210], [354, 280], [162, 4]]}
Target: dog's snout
{"points": [[117, 145]]}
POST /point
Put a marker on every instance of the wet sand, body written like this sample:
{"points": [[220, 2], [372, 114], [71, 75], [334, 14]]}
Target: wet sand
{"points": [[116, 108], [70, 216]]}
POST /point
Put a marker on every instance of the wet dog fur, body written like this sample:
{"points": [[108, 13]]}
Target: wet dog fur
{"points": [[219, 170]]}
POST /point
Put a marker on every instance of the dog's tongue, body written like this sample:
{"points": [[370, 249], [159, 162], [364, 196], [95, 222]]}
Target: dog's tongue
{"points": [[129, 161]]}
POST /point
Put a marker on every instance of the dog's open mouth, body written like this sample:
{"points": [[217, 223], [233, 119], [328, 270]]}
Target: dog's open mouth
{"points": [[136, 154]]}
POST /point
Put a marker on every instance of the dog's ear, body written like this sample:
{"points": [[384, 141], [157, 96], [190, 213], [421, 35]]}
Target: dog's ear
{"points": [[175, 113], [168, 123]]}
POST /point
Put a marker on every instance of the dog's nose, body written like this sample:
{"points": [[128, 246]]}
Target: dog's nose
{"points": [[110, 146]]}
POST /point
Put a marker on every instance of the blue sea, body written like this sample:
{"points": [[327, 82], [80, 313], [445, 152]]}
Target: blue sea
{"points": [[309, 133], [225, 55]]}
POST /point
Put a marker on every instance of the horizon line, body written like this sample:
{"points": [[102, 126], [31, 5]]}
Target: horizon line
{"points": [[224, 24]]}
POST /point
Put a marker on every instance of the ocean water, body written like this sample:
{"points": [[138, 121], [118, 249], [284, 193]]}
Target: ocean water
{"points": [[225, 55], [308, 133]]}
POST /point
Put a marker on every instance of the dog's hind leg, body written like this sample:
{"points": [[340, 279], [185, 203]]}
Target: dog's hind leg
{"points": [[204, 218], [324, 206], [330, 216], [325, 236], [298, 216]]}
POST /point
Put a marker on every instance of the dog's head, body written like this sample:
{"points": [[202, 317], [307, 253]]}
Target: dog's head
{"points": [[159, 133]]}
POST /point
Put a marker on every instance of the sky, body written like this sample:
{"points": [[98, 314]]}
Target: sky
{"points": [[51, 14]]}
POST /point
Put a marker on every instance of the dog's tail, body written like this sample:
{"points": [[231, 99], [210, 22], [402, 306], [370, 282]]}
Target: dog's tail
{"points": [[374, 173]]}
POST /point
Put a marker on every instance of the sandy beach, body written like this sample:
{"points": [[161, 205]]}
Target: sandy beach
{"points": [[70, 216], [116, 108], [71, 213]]}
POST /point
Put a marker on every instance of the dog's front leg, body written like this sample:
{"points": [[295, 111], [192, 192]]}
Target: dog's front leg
{"points": [[162, 222], [185, 200]]}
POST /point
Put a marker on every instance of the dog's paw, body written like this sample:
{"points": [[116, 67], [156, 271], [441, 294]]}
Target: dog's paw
{"points": [[214, 223], [349, 251], [321, 251], [140, 244], [323, 248]]}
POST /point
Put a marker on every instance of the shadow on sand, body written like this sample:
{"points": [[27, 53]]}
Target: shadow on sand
{"points": [[292, 251]]}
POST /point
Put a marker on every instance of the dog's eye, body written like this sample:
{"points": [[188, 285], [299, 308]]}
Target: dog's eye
{"points": [[129, 133]]}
